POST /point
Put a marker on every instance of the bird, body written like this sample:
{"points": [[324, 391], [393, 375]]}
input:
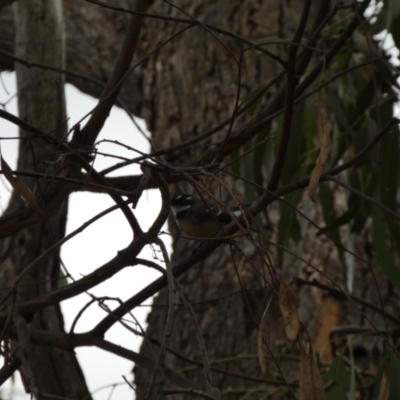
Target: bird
{"points": [[201, 218]]}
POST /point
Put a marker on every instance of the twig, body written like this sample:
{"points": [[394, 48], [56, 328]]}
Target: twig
{"points": [[189, 21], [23, 339], [170, 314], [191, 392], [200, 340], [55, 246], [8, 370], [289, 100], [344, 295], [364, 196], [90, 131]]}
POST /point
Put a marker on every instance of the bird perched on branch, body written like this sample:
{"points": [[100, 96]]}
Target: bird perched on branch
{"points": [[201, 218]]}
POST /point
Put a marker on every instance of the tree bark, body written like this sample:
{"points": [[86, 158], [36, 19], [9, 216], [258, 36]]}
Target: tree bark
{"points": [[189, 88], [192, 85], [40, 37]]}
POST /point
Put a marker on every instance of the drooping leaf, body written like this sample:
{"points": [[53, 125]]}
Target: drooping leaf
{"points": [[327, 200], [390, 368], [339, 374], [395, 31], [393, 376], [339, 111], [311, 384], [294, 159], [389, 174], [384, 252], [364, 44]]}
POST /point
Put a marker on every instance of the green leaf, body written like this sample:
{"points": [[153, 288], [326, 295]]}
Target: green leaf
{"points": [[394, 374], [311, 132], [364, 100], [339, 110], [341, 376], [235, 165], [328, 210], [364, 44], [391, 366], [296, 149], [395, 31], [381, 23], [388, 169], [288, 226], [392, 7], [345, 218], [382, 243]]}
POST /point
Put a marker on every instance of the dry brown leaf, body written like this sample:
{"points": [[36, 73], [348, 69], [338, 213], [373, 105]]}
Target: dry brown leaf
{"points": [[20, 187], [322, 158], [289, 305], [311, 384], [260, 352], [384, 390]]}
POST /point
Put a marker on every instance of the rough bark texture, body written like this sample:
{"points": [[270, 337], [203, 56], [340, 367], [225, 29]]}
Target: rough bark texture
{"points": [[41, 103], [191, 86]]}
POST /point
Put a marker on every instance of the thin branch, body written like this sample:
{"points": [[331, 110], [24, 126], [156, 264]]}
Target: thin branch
{"points": [[92, 128], [196, 22], [124, 258], [19, 219], [186, 144], [255, 126], [9, 369], [345, 295], [291, 81], [49, 67], [23, 342], [191, 392], [200, 340], [168, 323], [65, 239], [363, 196], [203, 251]]}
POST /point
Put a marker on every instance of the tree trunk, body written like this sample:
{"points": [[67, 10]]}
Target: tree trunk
{"points": [[189, 88], [40, 38], [193, 85]]}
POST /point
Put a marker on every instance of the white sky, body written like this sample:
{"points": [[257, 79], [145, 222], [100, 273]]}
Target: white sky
{"points": [[96, 245]]}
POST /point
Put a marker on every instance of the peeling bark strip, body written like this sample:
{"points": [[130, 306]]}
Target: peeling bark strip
{"points": [[311, 385]]}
